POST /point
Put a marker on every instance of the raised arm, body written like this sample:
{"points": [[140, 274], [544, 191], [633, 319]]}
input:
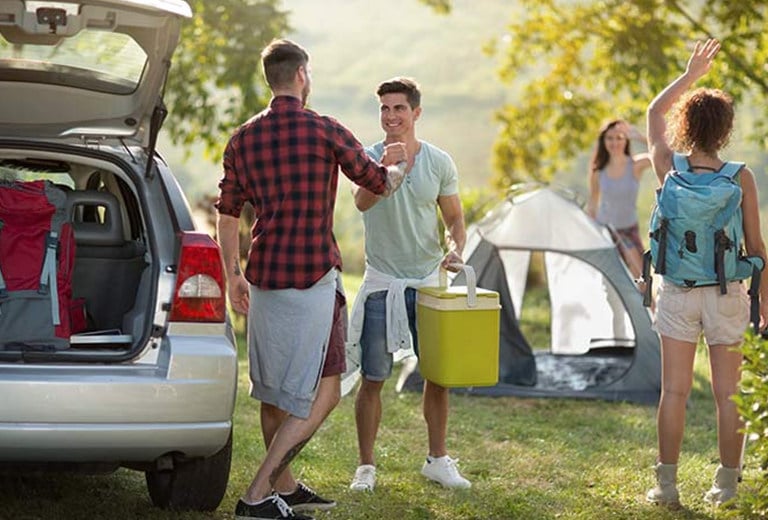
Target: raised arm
{"points": [[365, 199], [640, 163], [698, 65]]}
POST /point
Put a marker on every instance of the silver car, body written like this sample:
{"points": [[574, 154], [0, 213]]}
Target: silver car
{"points": [[150, 382]]}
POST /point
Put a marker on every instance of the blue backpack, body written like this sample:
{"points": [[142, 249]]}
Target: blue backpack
{"points": [[696, 229]]}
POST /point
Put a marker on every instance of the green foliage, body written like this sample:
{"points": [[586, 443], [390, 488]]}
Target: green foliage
{"points": [[348, 229], [580, 63], [753, 407], [476, 202], [215, 81], [440, 6], [536, 317]]}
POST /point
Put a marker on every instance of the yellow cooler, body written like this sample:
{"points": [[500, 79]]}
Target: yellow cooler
{"points": [[458, 330]]}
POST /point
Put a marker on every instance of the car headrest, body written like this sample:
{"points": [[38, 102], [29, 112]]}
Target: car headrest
{"points": [[96, 218]]}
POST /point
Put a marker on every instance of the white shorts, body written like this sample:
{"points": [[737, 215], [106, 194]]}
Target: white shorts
{"points": [[683, 313]]}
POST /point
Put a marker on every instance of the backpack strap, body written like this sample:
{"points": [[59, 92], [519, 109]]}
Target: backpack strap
{"points": [[48, 281], [722, 243], [661, 236], [647, 278], [680, 162], [758, 264], [3, 287], [730, 169]]}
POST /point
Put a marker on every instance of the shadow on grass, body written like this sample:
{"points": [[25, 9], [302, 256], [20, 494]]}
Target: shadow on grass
{"points": [[65, 495]]}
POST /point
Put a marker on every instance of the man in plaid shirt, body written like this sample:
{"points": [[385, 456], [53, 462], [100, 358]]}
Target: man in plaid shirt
{"points": [[285, 162]]}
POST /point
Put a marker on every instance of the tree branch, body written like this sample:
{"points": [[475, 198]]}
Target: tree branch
{"points": [[735, 60]]}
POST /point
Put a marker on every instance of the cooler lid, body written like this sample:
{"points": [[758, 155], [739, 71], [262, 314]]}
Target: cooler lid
{"points": [[455, 299], [458, 291]]}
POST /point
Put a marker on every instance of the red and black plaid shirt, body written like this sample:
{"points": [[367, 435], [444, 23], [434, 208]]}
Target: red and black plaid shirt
{"points": [[285, 162]]}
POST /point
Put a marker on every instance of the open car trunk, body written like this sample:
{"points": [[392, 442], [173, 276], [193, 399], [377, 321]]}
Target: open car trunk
{"points": [[113, 293]]}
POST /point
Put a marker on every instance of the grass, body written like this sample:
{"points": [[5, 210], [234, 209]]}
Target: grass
{"points": [[527, 459]]}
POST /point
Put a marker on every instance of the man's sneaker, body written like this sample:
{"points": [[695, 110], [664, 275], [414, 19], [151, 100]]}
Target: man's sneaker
{"points": [[365, 478], [271, 508], [304, 499], [444, 471]]}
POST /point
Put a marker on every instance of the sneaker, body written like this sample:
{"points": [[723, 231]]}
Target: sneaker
{"points": [[304, 499], [365, 478], [271, 508], [444, 471]]}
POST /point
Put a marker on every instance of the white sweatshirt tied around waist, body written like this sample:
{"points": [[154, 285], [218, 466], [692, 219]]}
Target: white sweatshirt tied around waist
{"points": [[398, 332]]}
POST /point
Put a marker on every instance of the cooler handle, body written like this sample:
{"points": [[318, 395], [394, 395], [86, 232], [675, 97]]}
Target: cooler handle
{"points": [[469, 273]]}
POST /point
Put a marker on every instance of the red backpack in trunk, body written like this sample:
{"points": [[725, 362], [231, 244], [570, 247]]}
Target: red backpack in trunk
{"points": [[37, 252]]}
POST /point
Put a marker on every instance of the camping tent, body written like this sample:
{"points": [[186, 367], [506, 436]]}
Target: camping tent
{"points": [[602, 342]]}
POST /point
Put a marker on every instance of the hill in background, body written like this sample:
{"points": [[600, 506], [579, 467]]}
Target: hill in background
{"points": [[356, 44]]}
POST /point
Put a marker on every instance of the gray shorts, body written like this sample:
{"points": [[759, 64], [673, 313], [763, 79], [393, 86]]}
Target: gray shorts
{"points": [[683, 313], [288, 336]]}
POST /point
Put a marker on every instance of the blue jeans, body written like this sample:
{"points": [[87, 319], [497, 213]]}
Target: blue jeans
{"points": [[376, 362]]}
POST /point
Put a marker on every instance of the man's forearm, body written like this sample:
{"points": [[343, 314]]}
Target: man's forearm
{"points": [[364, 199], [228, 232], [456, 237]]}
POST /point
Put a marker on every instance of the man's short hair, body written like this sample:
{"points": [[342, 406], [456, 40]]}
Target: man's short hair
{"points": [[401, 85], [280, 61]]}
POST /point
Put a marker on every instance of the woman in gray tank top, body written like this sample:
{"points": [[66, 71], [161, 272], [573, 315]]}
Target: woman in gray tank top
{"points": [[614, 178]]}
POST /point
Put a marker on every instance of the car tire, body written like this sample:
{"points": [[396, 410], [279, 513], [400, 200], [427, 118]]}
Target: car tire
{"points": [[196, 484]]}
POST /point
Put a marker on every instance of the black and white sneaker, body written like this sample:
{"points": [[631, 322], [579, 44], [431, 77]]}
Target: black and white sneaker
{"points": [[271, 508], [304, 499]]}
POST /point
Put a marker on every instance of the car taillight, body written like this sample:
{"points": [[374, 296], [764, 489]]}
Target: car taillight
{"points": [[199, 293]]}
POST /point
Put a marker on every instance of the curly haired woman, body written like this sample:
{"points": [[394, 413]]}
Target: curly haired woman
{"points": [[701, 121]]}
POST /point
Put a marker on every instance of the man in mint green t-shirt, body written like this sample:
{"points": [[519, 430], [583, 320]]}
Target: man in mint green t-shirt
{"points": [[403, 252]]}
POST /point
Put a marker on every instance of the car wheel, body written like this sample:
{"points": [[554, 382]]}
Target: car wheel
{"points": [[197, 484]]}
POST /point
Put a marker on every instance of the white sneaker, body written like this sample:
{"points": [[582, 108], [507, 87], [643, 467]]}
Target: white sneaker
{"points": [[444, 471], [365, 478]]}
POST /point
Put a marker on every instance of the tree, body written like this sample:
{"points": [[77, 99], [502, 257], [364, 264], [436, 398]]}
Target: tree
{"points": [[215, 81], [577, 63]]}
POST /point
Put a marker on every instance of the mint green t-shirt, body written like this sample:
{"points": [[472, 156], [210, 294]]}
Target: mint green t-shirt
{"points": [[402, 237]]}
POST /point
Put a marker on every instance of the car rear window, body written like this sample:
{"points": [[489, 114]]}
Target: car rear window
{"points": [[93, 58], [31, 170]]}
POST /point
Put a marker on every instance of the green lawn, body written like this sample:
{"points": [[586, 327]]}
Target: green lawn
{"points": [[527, 459]]}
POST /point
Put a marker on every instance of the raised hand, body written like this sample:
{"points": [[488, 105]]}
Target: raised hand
{"points": [[701, 59], [394, 153]]}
